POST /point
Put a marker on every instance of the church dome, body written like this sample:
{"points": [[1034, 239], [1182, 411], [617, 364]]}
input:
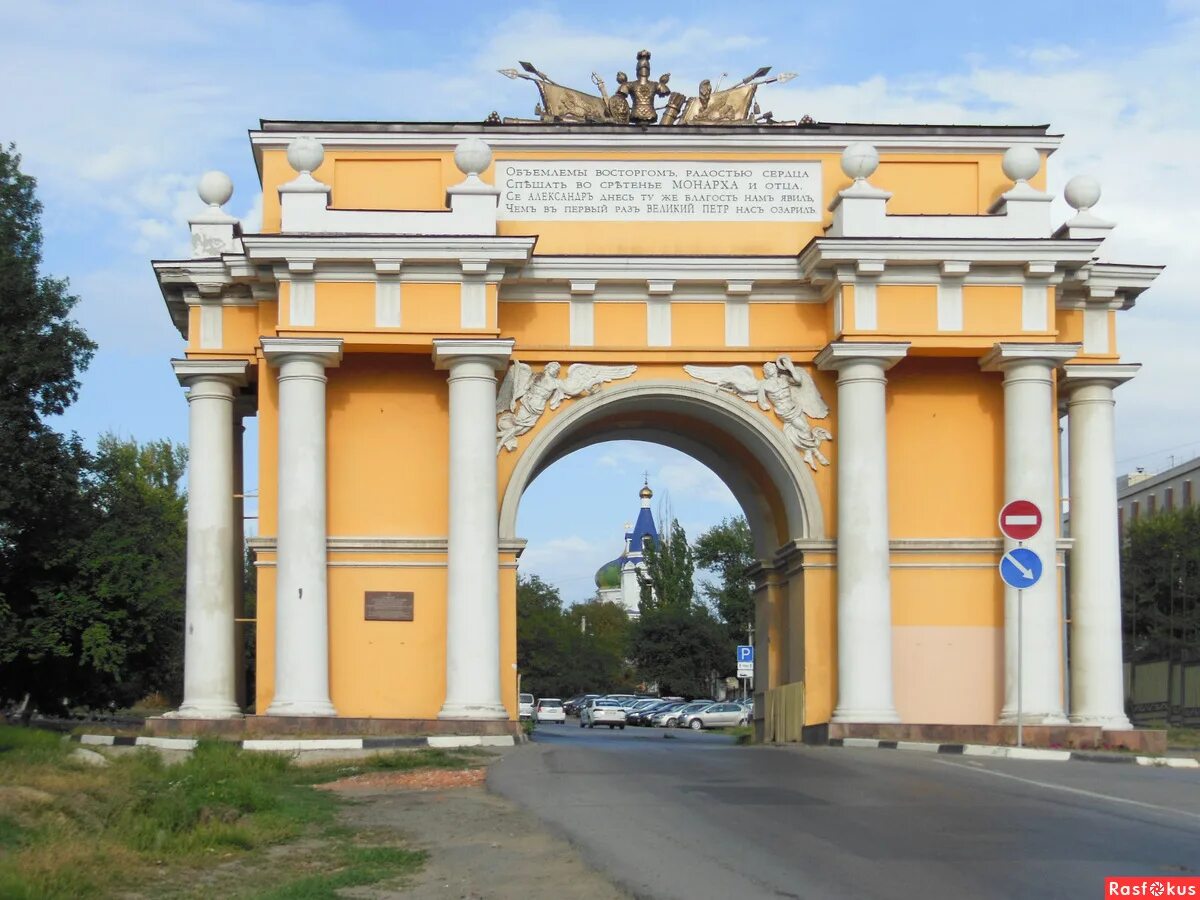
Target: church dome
{"points": [[608, 576], [645, 493]]}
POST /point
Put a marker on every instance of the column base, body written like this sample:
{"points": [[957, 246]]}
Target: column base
{"points": [[867, 716], [473, 711], [1009, 717], [301, 708], [1107, 723], [214, 710]]}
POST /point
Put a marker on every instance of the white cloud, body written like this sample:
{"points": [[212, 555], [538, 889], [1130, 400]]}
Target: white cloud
{"points": [[117, 122]]}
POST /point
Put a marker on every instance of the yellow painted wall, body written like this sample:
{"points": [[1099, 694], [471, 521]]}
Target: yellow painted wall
{"points": [[387, 669], [992, 309], [930, 187], [430, 307], [905, 309], [345, 306], [698, 324], [536, 324], [945, 448], [798, 325], [388, 443], [382, 181], [620, 324]]}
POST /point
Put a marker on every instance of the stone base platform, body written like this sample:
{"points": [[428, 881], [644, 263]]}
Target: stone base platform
{"points": [[325, 726], [1067, 737]]}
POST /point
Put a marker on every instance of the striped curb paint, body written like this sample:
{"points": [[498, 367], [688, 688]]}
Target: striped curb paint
{"points": [[300, 745], [1034, 753]]}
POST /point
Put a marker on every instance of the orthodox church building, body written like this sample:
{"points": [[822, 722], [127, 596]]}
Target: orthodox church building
{"points": [[617, 580]]}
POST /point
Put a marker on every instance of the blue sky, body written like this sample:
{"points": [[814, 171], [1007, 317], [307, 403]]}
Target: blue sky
{"points": [[118, 107]]}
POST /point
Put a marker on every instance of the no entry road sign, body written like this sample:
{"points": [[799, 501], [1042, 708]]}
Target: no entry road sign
{"points": [[1020, 520], [1021, 568]]}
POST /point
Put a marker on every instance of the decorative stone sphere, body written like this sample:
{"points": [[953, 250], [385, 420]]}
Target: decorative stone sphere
{"points": [[860, 160], [1021, 163], [1082, 192], [472, 156], [305, 154], [215, 188]]}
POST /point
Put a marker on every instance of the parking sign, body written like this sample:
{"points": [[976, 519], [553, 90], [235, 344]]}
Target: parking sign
{"points": [[745, 653]]}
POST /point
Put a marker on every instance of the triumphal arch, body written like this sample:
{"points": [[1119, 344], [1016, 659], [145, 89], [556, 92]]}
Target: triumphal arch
{"points": [[872, 333]]}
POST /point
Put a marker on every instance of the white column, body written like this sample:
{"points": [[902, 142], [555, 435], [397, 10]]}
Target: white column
{"points": [[1030, 452], [209, 676], [1097, 686], [473, 584], [864, 591], [301, 585]]}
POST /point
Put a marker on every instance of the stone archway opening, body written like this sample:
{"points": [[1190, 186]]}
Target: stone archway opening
{"points": [[744, 448]]}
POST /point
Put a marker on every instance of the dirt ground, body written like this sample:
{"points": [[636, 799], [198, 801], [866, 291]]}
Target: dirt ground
{"points": [[480, 846]]}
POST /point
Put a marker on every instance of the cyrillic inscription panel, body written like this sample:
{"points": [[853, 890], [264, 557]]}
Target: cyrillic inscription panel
{"points": [[658, 190]]}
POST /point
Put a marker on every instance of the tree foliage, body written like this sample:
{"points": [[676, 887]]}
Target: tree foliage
{"points": [[676, 643], [1160, 586], [43, 509], [727, 549], [670, 570], [563, 652], [92, 547]]}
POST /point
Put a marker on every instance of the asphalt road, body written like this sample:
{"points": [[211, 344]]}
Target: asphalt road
{"points": [[693, 816]]}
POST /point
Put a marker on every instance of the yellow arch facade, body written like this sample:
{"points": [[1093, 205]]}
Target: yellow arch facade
{"points": [[940, 314]]}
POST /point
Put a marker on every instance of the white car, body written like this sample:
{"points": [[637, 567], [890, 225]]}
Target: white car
{"points": [[602, 712], [525, 706], [549, 709]]}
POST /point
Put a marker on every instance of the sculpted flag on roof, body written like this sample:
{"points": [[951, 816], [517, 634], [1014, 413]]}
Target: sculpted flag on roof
{"points": [[633, 102], [523, 396], [786, 390]]}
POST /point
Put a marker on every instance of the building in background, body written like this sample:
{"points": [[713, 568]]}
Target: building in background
{"points": [[617, 581], [1141, 494]]}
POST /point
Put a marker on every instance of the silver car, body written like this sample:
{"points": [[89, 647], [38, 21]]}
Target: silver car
{"points": [[716, 715], [602, 712], [681, 714]]}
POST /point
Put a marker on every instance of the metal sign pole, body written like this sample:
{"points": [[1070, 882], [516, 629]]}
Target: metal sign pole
{"points": [[1020, 684]]}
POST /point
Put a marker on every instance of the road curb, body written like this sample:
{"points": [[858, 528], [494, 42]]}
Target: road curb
{"points": [[1171, 762], [300, 745]]}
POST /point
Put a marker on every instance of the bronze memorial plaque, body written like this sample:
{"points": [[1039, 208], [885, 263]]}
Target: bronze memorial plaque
{"points": [[389, 606]]}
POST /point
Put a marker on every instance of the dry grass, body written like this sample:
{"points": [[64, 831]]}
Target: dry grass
{"points": [[71, 830]]}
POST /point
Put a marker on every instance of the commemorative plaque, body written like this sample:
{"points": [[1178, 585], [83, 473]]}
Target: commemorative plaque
{"points": [[389, 606]]}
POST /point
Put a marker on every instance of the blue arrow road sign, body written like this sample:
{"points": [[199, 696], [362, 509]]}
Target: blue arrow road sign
{"points": [[745, 653], [1021, 568]]}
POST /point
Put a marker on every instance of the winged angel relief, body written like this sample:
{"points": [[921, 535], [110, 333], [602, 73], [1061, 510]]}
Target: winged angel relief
{"points": [[789, 391], [523, 396]]}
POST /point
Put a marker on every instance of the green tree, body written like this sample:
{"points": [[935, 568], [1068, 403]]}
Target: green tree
{"points": [[670, 570], [728, 550], [1160, 586], [43, 511], [600, 633], [676, 643], [542, 636], [129, 597]]}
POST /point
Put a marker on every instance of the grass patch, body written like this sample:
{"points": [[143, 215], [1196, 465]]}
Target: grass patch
{"points": [[1183, 738], [356, 866], [71, 830]]}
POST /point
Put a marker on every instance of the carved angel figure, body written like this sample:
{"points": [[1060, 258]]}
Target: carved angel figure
{"points": [[523, 396], [789, 391]]}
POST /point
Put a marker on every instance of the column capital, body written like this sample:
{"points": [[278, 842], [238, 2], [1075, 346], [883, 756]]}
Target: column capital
{"points": [[840, 353], [494, 352], [1113, 375], [1005, 354], [327, 351], [232, 371]]}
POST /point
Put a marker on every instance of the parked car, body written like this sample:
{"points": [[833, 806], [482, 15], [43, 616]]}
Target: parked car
{"points": [[640, 715], [549, 709], [625, 701], [573, 706], [666, 716], [715, 715], [525, 706], [602, 711], [689, 709]]}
